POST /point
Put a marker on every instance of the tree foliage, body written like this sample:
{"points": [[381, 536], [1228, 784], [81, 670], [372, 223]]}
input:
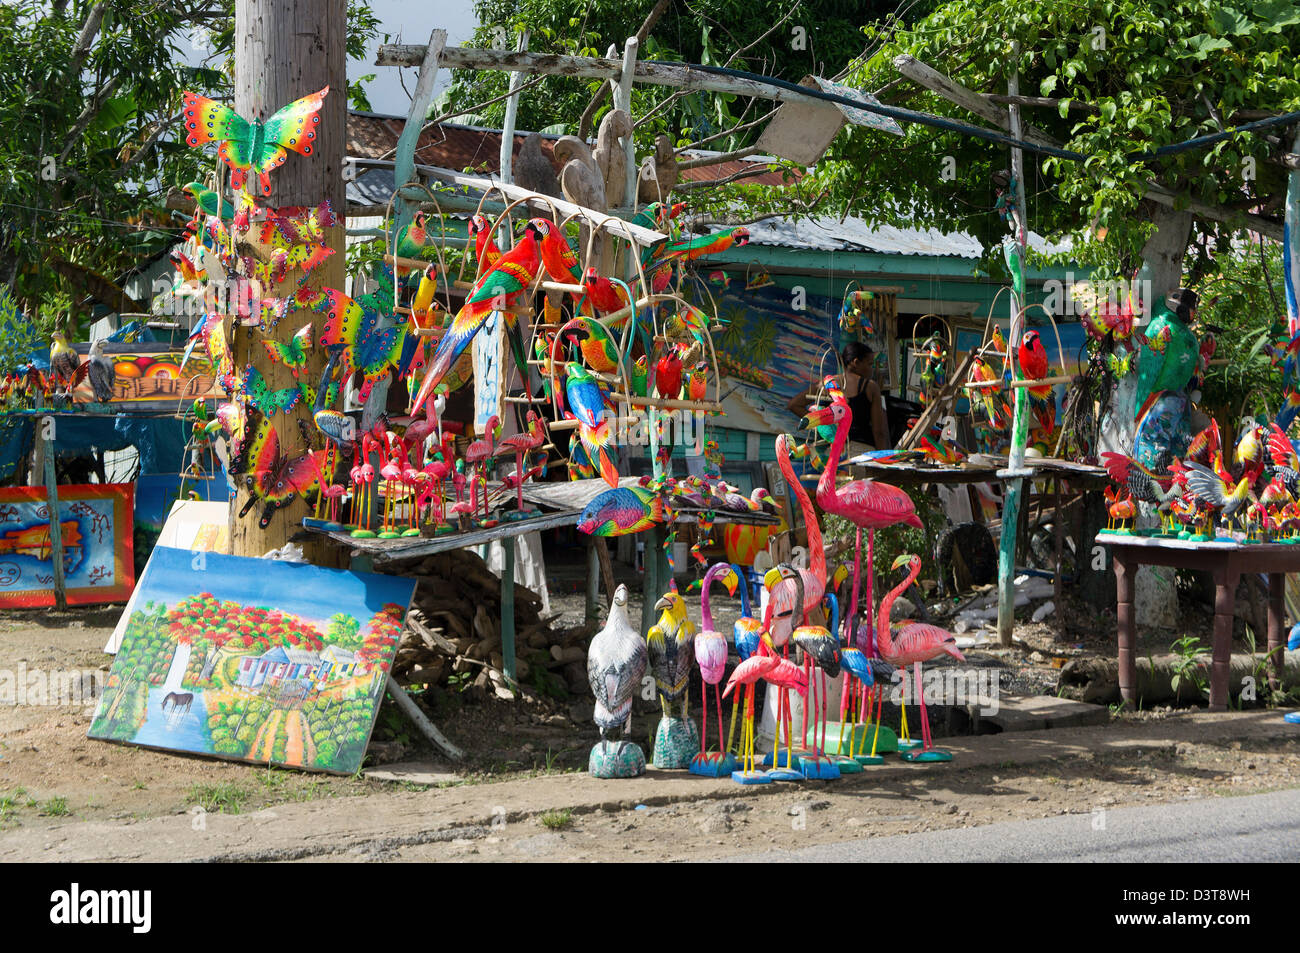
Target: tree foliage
{"points": [[784, 38], [90, 102], [1131, 77]]}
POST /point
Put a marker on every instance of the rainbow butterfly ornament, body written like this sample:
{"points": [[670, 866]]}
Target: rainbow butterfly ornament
{"points": [[257, 145]]}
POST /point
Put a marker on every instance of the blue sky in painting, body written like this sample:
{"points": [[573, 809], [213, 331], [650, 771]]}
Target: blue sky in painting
{"points": [[309, 592]]}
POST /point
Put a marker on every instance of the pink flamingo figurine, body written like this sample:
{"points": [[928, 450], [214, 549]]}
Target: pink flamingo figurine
{"points": [[333, 492], [391, 470], [814, 577], [748, 673], [745, 633], [363, 479], [520, 445], [867, 504], [915, 643], [480, 451], [820, 651], [711, 656]]}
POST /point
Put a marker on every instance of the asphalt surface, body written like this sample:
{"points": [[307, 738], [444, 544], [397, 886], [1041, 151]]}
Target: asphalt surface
{"points": [[1254, 828]]}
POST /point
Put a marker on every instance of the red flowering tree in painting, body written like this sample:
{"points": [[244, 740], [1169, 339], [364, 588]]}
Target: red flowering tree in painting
{"points": [[380, 639], [247, 630]]}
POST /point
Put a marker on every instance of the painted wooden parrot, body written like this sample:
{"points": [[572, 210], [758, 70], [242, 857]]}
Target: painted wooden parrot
{"points": [[588, 402], [602, 294], [486, 253], [558, 256], [989, 398], [671, 643], [697, 384], [702, 245], [595, 343], [497, 288], [668, 375], [65, 363], [640, 375], [413, 237], [1033, 364]]}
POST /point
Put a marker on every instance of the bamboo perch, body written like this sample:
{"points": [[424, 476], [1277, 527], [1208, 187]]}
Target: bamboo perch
{"points": [[664, 403], [1044, 382]]}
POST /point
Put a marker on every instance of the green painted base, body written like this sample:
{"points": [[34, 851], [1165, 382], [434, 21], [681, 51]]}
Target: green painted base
{"points": [[1200, 538], [867, 759], [677, 740], [910, 744], [362, 534], [389, 534], [847, 765], [857, 738], [411, 532], [616, 759], [925, 757]]}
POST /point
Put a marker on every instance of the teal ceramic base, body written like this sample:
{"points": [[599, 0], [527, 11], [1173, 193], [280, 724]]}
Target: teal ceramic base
{"points": [[785, 774], [616, 759], [867, 759], [677, 741], [846, 765], [750, 777], [910, 744], [925, 757], [858, 738], [715, 764], [819, 768], [782, 759]]}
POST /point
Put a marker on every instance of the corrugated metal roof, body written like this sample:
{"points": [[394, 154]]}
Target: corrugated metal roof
{"points": [[453, 146], [853, 234]]}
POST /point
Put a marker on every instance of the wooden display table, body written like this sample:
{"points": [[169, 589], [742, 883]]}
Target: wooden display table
{"points": [[1226, 560]]}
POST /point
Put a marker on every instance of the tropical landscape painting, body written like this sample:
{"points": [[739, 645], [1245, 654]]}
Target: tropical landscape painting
{"points": [[254, 660]]}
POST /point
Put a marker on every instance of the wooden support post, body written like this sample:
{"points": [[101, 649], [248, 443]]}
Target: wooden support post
{"points": [[404, 155], [593, 583], [623, 101], [56, 525], [427, 728], [1225, 591], [1276, 628], [508, 611], [1125, 570]]}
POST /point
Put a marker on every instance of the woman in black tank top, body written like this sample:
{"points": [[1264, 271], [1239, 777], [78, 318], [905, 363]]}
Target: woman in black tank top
{"points": [[870, 426]]}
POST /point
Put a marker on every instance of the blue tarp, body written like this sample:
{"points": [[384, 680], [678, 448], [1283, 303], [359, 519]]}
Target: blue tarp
{"points": [[159, 440]]}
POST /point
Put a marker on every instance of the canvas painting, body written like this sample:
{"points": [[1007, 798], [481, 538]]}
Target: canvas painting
{"points": [[193, 525], [96, 531], [254, 660], [151, 376]]}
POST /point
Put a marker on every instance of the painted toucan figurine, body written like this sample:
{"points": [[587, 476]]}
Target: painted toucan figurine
{"points": [[588, 402]]}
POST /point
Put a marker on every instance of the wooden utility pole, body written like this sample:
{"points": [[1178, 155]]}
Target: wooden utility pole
{"points": [[285, 49]]}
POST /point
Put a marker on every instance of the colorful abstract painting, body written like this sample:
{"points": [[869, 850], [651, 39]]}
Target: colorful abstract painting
{"points": [[769, 342], [254, 660], [95, 522]]}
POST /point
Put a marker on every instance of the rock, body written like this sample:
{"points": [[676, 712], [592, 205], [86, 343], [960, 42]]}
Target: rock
{"points": [[903, 608], [1043, 611], [582, 711], [803, 807], [715, 824]]}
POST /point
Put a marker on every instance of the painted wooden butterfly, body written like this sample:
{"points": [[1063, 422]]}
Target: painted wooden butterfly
{"points": [[255, 144], [270, 477], [266, 400]]}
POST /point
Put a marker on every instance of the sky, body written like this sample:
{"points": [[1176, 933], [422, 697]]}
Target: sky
{"points": [[408, 22]]}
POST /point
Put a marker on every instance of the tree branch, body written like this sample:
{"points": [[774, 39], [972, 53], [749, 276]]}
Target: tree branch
{"points": [[589, 114]]}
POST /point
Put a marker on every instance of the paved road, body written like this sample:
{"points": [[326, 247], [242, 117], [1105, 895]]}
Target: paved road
{"points": [[1253, 828]]}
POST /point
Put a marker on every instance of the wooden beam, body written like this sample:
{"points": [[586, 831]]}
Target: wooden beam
{"points": [[404, 159], [611, 224], [984, 107]]}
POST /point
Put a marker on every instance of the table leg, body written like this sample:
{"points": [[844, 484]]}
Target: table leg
{"points": [[1276, 628], [1056, 576], [1225, 592], [1124, 571]]}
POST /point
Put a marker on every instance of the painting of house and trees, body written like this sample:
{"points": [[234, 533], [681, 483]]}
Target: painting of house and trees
{"points": [[254, 660]]}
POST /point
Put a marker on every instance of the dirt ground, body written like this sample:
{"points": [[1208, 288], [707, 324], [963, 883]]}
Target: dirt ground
{"points": [[52, 776]]}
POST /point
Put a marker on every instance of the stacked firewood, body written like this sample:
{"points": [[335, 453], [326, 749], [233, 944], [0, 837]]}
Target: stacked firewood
{"points": [[453, 632]]}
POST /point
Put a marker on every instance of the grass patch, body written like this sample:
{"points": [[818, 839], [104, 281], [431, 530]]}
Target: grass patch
{"points": [[219, 798], [556, 820], [55, 807]]}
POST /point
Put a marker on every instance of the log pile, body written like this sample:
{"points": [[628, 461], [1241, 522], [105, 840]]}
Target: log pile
{"points": [[453, 632]]}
